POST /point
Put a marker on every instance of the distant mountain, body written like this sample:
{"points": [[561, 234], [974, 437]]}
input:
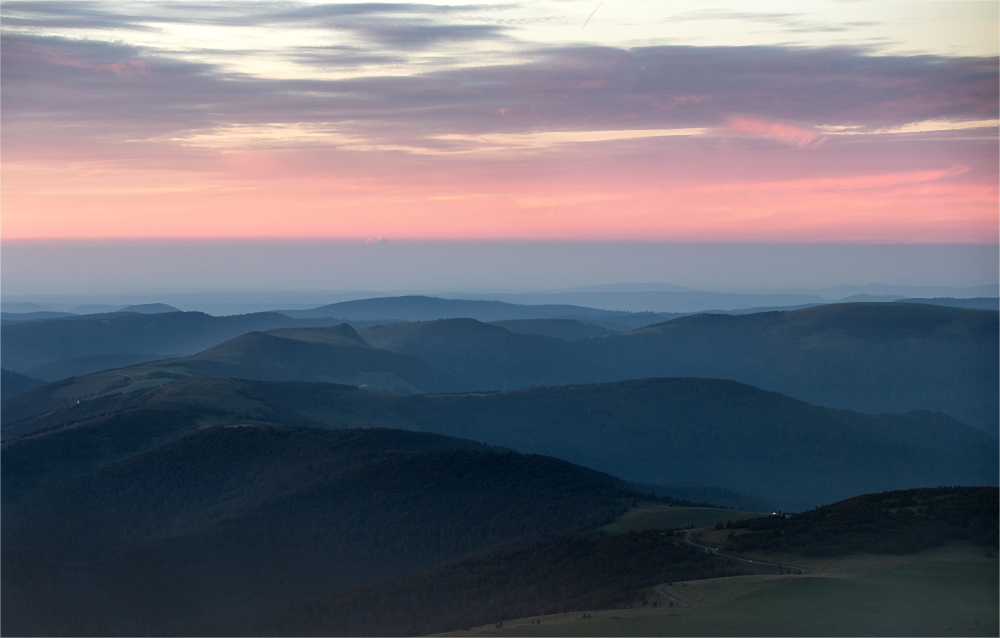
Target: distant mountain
{"points": [[565, 329], [95, 308], [26, 346], [149, 308], [655, 431], [421, 308], [14, 383], [871, 298], [841, 293], [659, 301], [80, 366], [336, 355], [487, 357], [871, 357], [333, 354], [24, 307], [983, 303], [707, 494], [227, 521], [17, 317], [898, 522]]}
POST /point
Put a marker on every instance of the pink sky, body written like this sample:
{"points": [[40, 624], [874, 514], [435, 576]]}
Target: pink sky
{"points": [[662, 143]]}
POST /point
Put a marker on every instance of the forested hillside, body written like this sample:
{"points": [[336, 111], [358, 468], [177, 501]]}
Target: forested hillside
{"points": [[656, 431], [897, 522], [226, 521], [869, 357]]}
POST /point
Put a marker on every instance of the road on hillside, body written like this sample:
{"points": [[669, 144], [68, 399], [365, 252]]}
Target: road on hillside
{"points": [[669, 597], [715, 551]]}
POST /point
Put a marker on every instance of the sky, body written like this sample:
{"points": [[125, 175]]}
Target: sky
{"points": [[622, 121]]}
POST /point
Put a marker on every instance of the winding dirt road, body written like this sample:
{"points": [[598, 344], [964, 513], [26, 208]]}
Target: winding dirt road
{"points": [[715, 551]]}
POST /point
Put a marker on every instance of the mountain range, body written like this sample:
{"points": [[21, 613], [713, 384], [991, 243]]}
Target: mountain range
{"points": [[306, 476], [869, 357], [657, 431]]}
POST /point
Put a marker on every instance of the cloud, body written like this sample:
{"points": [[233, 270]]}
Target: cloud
{"points": [[784, 133], [404, 26], [70, 15], [848, 182], [64, 92]]}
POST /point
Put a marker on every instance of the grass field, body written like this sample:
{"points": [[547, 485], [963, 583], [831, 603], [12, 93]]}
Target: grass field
{"points": [[667, 517], [939, 593]]}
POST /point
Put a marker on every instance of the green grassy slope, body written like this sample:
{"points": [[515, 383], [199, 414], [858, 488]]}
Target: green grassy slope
{"points": [[226, 521], [864, 595], [921, 599], [563, 575]]}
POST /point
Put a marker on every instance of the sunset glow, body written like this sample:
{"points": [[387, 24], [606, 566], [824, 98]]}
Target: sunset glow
{"points": [[432, 121]]}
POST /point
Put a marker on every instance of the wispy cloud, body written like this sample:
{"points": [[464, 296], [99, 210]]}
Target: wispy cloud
{"points": [[847, 182], [784, 133], [51, 83], [389, 123]]}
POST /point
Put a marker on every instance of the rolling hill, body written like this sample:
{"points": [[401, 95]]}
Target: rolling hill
{"points": [[899, 522], [870, 357], [333, 354], [227, 521], [423, 308], [981, 303], [703, 432], [14, 383], [30, 345], [81, 366], [150, 308], [487, 357], [336, 354], [41, 315], [565, 329], [582, 574], [559, 576]]}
